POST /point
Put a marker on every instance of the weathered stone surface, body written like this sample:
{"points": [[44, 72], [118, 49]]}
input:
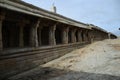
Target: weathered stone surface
{"points": [[52, 40], [15, 64], [65, 35], [73, 37], [33, 34]]}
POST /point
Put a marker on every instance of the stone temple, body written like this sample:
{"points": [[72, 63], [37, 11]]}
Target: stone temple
{"points": [[30, 36]]}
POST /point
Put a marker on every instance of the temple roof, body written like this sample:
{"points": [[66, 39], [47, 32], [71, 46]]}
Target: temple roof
{"points": [[20, 6]]}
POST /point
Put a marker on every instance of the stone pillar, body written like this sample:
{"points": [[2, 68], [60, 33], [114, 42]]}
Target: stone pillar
{"points": [[39, 35], [90, 36], [87, 37], [21, 34], [33, 34], [84, 35], [65, 35], [109, 35], [52, 40], [2, 16], [79, 36], [21, 25], [73, 37]]}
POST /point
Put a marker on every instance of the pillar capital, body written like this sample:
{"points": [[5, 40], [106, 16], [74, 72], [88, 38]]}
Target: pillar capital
{"points": [[74, 30], [36, 23], [53, 27], [80, 30], [65, 28]]}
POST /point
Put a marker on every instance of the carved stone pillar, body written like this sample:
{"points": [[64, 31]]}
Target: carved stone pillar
{"points": [[52, 40], [65, 35], [73, 37], [21, 34], [21, 25], [80, 36], [84, 35], [2, 16], [109, 35], [87, 37], [39, 35], [90, 36], [33, 34]]}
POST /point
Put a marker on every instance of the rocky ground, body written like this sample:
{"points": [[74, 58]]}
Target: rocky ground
{"points": [[97, 61]]}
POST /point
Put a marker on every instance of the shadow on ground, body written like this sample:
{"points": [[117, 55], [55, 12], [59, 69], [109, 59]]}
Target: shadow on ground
{"points": [[48, 73]]}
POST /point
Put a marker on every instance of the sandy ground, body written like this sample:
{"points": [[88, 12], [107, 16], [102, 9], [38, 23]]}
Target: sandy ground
{"points": [[97, 61]]}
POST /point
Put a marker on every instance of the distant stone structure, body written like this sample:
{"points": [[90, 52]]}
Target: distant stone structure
{"points": [[30, 36]]}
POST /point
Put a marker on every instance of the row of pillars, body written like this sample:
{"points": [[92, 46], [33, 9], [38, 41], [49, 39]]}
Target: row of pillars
{"points": [[52, 40], [34, 41]]}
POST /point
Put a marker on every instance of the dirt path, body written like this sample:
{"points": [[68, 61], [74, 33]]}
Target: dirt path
{"points": [[97, 61]]}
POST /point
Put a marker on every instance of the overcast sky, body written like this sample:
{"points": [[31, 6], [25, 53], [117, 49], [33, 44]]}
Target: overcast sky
{"points": [[102, 13]]}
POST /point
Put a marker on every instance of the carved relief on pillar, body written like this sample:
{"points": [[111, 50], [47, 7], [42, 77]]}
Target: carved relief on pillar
{"points": [[52, 40], [65, 35], [33, 34], [2, 17]]}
